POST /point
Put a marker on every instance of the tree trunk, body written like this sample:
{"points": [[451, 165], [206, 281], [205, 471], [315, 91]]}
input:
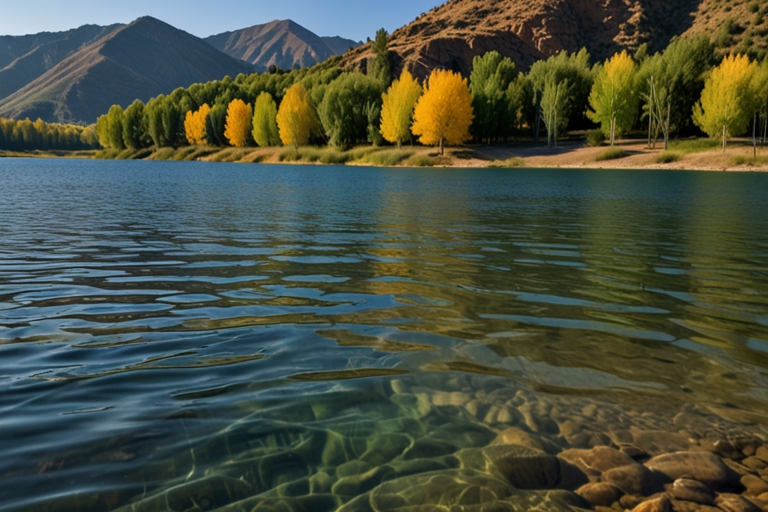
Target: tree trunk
{"points": [[666, 128], [650, 127], [754, 136], [442, 146], [724, 134], [613, 130], [538, 119]]}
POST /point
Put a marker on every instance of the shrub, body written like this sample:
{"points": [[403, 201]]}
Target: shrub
{"points": [[422, 161], [510, 163], [387, 158], [667, 157], [595, 138], [611, 154], [694, 145]]}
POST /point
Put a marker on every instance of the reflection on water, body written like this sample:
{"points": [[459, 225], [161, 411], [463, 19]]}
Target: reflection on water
{"points": [[201, 337]]}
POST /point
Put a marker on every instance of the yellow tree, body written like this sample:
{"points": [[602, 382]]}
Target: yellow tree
{"points": [[728, 100], [444, 113], [238, 126], [397, 110], [296, 119], [613, 98], [194, 125]]}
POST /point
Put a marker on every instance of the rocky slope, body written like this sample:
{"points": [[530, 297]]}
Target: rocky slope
{"points": [[25, 58], [140, 60], [451, 35], [284, 44]]}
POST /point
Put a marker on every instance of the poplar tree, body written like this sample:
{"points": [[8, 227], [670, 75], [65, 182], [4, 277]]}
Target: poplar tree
{"points": [[397, 109], [134, 126], [296, 119], [613, 99], [489, 82], [239, 123], [443, 114], [265, 131], [728, 100]]}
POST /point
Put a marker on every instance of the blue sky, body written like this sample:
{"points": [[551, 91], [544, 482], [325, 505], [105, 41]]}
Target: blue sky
{"points": [[347, 18]]}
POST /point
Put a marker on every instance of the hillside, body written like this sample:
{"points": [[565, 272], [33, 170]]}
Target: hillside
{"points": [[451, 35], [25, 58], [284, 44], [140, 60]]}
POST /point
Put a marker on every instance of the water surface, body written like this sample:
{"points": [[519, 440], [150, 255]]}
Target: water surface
{"points": [[181, 335]]}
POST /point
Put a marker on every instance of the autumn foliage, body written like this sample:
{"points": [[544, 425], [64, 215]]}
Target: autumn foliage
{"points": [[194, 125], [296, 118], [728, 100], [444, 113], [239, 119], [397, 110], [613, 97]]}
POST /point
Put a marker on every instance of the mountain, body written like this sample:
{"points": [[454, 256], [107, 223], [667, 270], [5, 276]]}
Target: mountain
{"points": [[25, 58], [284, 44], [451, 35], [140, 60]]}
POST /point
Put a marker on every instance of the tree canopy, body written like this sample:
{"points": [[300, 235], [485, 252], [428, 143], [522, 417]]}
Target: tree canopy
{"points": [[399, 103], [443, 114]]}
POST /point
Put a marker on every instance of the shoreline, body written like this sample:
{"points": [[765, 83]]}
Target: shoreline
{"points": [[568, 155]]}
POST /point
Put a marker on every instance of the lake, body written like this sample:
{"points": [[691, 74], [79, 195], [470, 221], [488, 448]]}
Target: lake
{"points": [[195, 336]]}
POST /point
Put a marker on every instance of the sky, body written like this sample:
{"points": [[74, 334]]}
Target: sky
{"points": [[353, 19]]}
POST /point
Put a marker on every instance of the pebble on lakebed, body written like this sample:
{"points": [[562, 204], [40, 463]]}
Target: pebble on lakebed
{"points": [[474, 445]]}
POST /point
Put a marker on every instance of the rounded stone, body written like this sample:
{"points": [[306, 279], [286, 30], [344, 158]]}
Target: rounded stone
{"points": [[600, 494], [661, 504], [735, 503], [755, 485], [762, 453], [632, 479], [704, 467], [691, 490]]}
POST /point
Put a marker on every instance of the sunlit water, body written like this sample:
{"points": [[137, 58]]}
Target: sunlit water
{"points": [[188, 336]]}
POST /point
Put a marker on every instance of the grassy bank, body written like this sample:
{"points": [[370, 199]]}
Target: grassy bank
{"points": [[692, 154], [365, 155]]}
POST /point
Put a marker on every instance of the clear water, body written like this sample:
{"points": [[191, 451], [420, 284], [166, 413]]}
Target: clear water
{"points": [[189, 336]]}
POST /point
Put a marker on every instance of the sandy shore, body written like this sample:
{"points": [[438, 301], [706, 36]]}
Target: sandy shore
{"points": [[569, 154]]}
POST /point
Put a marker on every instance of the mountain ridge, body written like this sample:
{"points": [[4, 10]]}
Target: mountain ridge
{"points": [[130, 63], [281, 43]]}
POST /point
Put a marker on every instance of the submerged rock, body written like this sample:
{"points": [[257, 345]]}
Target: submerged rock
{"points": [[735, 503], [704, 467], [662, 504], [692, 490], [600, 494]]}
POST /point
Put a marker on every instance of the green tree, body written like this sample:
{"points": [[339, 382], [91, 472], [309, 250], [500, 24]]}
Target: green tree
{"points": [[134, 126], [489, 83], [216, 124], [265, 131], [381, 68], [613, 98], [343, 110], [561, 86], [109, 128]]}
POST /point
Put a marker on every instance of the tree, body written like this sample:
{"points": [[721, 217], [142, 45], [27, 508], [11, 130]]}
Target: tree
{"points": [[444, 114], [134, 126], [215, 125], [397, 109], [239, 123], [163, 121], [296, 118], [373, 114], [671, 83], [562, 84], [728, 101], [489, 82], [195, 124], [380, 70], [265, 131], [613, 99], [344, 112], [109, 128]]}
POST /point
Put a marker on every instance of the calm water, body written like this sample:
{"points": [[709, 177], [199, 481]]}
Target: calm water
{"points": [[184, 336]]}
